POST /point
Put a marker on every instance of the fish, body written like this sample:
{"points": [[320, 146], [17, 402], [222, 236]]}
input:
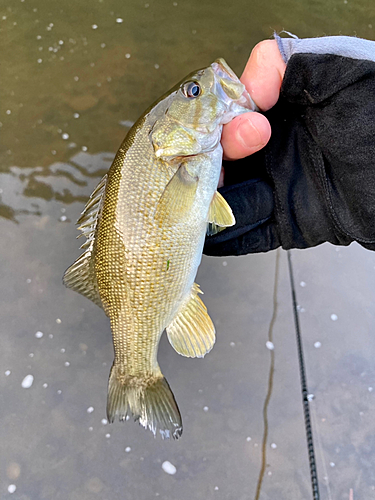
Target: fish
{"points": [[145, 226]]}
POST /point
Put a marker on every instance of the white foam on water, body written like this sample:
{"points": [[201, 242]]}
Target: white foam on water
{"points": [[12, 488], [104, 421], [27, 382], [205, 408], [168, 467], [39, 335], [128, 449], [7, 373], [334, 317], [317, 345], [270, 345], [90, 409], [303, 284], [273, 446]]}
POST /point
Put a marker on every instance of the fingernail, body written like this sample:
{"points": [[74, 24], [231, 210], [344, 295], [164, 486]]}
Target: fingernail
{"points": [[248, 135]]}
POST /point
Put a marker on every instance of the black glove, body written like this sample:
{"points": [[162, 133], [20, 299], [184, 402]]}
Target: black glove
{"points": [[315, 179]]}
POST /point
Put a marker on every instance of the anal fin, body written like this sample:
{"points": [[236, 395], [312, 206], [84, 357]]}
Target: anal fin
{"points": [[192, 332]]}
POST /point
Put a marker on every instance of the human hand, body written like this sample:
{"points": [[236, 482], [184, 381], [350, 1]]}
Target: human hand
{"points": [[262, 78], [314, 181]]}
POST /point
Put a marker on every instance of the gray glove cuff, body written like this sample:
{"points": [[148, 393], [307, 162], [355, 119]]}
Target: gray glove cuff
{"points": [[347, 46]]}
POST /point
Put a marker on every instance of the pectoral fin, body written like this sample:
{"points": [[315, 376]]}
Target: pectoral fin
{"points": [[178, 196], [220, 215], [192, 332]]}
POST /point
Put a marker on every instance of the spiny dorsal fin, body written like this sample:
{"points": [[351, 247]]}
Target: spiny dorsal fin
{"points": [[192, 332], [220, 215], [80, 276]]}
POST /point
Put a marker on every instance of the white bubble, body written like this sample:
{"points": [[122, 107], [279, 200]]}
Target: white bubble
{"points": [[156, 66], [67, 363], [216, 487], [27, 382], [63, 218], [273, 446], [248, 439], [59, 391], [232, 344], [12, 488], [90, 409], [128, 449], [45, 385], [303, 284], [61, 42], [62, 350], [317, 345], [65, 136], [270, 345], [8, 111], [58, 321], [40, 61], [334, 317], [168, 467], [102, 45], [76, 115], [91, 429], [205, 408], [7, 373], [119, 20], [50, 336], [104, 421], [332, 464], [84, 148], [370, 389], [107, 436], [94, 26], [310, 397], [31, 355], [127, 56]]}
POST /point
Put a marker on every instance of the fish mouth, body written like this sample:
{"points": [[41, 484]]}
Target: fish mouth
{"points": [[231, 91]]}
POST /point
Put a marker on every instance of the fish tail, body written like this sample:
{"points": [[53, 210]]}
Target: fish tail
{"points": [[150, 401]]}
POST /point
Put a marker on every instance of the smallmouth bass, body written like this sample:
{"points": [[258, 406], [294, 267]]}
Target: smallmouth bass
{"points": [[145, 225]]}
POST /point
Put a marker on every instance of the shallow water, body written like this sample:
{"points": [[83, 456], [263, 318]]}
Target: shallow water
{"points": [[74, 76]]}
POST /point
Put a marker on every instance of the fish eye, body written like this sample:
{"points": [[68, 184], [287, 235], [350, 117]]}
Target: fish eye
{"points": [[191, 89]]}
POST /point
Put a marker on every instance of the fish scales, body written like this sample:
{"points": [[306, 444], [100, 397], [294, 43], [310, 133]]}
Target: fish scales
{"points": [[147, 222]]}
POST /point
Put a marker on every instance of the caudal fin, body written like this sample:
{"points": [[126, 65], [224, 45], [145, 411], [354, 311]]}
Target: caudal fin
{"points": [[149, 400]]}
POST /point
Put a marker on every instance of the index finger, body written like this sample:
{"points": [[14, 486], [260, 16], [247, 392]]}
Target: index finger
{"points": [[264, 73]]}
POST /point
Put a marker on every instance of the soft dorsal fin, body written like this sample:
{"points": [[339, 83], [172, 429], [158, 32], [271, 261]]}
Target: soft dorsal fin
{"points": [[220, 215], [192, 332], [80, 276]]}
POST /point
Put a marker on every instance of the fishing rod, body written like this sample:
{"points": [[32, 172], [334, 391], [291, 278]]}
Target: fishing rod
{"points": [[305, 393]]}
